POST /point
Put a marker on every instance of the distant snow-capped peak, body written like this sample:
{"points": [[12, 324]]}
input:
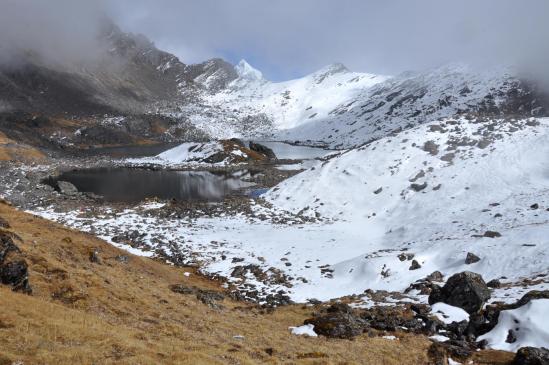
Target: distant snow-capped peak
{"points": [[248, 72]]}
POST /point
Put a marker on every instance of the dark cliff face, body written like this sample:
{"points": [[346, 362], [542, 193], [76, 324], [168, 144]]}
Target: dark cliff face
{"points": [[130, 75]]}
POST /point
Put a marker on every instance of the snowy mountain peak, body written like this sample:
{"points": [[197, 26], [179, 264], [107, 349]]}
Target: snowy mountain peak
{"points": [[333, 68], [328, 71], [248, 72]]}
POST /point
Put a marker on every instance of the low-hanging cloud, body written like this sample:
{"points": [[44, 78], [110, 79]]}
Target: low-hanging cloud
{"points": [[288, 37], [56, 31]]}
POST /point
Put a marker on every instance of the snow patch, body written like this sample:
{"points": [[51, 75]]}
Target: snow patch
{"points": [[305, 330], [525, 326]]}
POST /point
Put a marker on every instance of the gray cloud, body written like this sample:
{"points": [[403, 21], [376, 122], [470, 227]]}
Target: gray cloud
{"points": [[56, 31], [290, 37]]}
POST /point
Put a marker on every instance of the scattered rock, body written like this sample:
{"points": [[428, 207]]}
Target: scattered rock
{"points": [[418, 176], [182, 289], [418, 187], [492, 234], [531, 356], [123, 259], [338, 322], [208, 297], [494, 283], [435, 276], [511, 337], [431, 147], [415, 265], [534, 206], [471, 258], [466, 290], [405, 256]]}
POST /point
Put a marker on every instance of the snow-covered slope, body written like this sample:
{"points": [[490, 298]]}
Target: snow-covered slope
{"points": [[243, 103], [410, 99], [434, 191], [292, 103], [342, 109]]}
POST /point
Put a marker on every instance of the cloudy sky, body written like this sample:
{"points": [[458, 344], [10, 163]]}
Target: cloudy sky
{"points": [[289, 38]]}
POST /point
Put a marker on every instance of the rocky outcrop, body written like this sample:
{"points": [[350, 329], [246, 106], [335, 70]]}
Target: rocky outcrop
{"points": [[339, 321], [263, 150], [532, 356], [208, 297], [66, 188], [466, 290], [13, 267]]}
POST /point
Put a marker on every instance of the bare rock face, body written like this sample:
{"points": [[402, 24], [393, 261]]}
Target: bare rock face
{"points": [[13, 267], [466, 290]]}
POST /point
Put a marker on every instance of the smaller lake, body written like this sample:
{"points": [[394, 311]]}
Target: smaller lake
{"points": [[134, 185], [286, 151]]}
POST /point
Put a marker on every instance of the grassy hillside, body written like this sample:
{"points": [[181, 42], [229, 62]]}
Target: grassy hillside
{"points": [[115, 312]]}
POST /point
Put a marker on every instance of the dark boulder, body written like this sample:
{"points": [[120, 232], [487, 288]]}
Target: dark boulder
{"points": [[13, 267], [264, 150], [67, 188], [494, 283], [466, 290], [435, 276], [418, 187], [531, 356], [471, 258], [415, 265], [339, 321], [492, 234]]}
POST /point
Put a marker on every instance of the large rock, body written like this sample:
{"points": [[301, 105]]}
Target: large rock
{"points": [[67, 188], [339, 321], [13, 267], [264, 150], [466, 290], [531, 356]]}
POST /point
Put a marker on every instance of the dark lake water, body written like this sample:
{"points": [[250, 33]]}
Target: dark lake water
{"points": [[134, 185]]}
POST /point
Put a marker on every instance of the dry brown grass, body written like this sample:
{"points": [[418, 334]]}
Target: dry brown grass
{"points": [[84, 313], [12, 151]]}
